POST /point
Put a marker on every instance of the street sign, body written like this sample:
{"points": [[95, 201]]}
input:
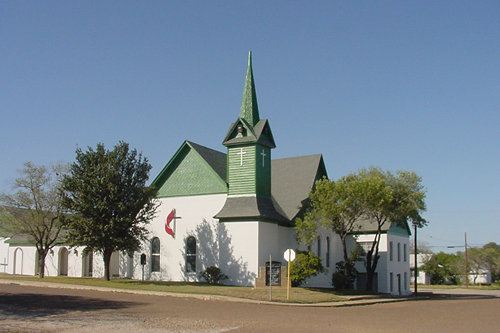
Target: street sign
{"points": [[289, 255]]}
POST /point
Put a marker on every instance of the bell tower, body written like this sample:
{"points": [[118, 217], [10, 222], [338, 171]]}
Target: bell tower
{"points": [[249, 141]]}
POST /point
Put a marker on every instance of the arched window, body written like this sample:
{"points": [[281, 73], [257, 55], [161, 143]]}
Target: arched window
{"points": [[63, 261], [191, 255], [155, 254]]}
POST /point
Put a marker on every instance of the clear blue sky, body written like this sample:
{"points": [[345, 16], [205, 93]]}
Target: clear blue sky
{"points": [[409, 85]]}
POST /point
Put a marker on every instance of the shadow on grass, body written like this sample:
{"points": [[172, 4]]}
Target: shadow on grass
{"points": [[39, 305]]}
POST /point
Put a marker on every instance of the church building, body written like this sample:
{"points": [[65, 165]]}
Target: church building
{"points": [[234, 210]]}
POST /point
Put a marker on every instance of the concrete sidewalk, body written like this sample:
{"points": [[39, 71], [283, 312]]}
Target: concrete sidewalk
{"points": [[351, 301]]}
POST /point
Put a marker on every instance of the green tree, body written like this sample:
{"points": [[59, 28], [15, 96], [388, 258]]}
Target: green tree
{"points": [[336, 206], [389, 198], [483, 259], [305, 265], [444, 268], [35, 208], [491, 257], [110, 203]]}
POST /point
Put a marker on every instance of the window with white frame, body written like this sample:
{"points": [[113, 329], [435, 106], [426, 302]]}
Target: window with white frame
{"points": [[191, 255], [155, 254]]}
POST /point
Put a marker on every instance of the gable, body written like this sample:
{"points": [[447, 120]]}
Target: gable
{"points": [[261, 134], [399, 230], [193, 170], [292, 181]]}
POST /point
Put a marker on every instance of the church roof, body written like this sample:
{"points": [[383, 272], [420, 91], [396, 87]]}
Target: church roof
{"points": [[369, 226], [251, 207], [292, 181], [193, 170], [214, 158]]}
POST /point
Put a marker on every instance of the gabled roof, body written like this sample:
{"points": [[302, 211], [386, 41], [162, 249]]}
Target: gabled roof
{"points": [[293, 179], [21, 239], [369, 226], [261, 134], [214, 158], [291, 182], [193, 170]]}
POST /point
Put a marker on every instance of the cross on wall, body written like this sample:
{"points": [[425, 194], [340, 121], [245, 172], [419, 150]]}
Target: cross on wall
{"points": [[241, 153], [263, 154]]}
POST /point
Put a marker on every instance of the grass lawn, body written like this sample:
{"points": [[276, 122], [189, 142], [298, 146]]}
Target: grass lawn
{"points": [[297, 295]]}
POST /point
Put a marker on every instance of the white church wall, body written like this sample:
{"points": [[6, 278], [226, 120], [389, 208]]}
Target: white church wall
{"points": [[21, 260], [335, 255], [240, 263], [269, 243], [195, 218]]}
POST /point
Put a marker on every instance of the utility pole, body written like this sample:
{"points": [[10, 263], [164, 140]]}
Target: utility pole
{"points": [[415, 275], [466, 264]]}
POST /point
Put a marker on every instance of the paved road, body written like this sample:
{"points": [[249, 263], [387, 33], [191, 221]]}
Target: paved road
{"points": [[37, 309]]}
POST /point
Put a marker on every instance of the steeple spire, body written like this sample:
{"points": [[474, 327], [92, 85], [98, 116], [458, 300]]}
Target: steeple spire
{"points": [[249, 109]]}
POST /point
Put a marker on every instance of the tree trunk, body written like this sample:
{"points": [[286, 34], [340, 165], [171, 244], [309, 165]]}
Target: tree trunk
{"points": [[107, 259], [42, 254], [347, 262]]}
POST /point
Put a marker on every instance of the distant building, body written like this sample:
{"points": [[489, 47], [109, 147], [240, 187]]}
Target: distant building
{"points": [[423, 277]]}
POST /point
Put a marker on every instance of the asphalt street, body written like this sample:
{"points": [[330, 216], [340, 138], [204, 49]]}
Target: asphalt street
{"points": [[40, 309]]}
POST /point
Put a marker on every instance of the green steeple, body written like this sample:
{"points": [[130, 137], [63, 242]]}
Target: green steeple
{"points": [[249, 109]]}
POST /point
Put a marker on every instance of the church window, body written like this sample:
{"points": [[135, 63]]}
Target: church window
{"points": [[404, 252], [319, 246], [399, 251], [391, 283], [191, 255], [390, 251], [327, 251], [155, 254]]}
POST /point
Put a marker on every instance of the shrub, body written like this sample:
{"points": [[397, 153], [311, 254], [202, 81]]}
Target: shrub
{"points": [[305, 265], [340, 280], [213, 275]]}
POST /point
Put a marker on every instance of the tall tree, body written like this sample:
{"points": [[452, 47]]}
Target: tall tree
{"points": [[336, 206], [390, 198], [444, 268], [110, 203], [35, 208], [371, 194]]}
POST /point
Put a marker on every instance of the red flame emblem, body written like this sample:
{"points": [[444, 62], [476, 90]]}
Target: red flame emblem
{"points": [[170, 218]]}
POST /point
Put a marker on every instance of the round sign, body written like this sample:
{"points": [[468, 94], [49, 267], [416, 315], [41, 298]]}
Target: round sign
{"points": [[289, 255]]}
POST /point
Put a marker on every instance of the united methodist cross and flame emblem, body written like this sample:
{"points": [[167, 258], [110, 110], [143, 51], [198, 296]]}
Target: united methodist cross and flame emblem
{"points": [[171, 218]]}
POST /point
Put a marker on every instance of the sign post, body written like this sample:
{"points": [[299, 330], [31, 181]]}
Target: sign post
{"points": [[143, 263], [270, 278], [289, 256]]}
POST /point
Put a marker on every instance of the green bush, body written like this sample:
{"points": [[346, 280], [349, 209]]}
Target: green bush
{"points": [[340, 280], [213, 275], [305, 265]]}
